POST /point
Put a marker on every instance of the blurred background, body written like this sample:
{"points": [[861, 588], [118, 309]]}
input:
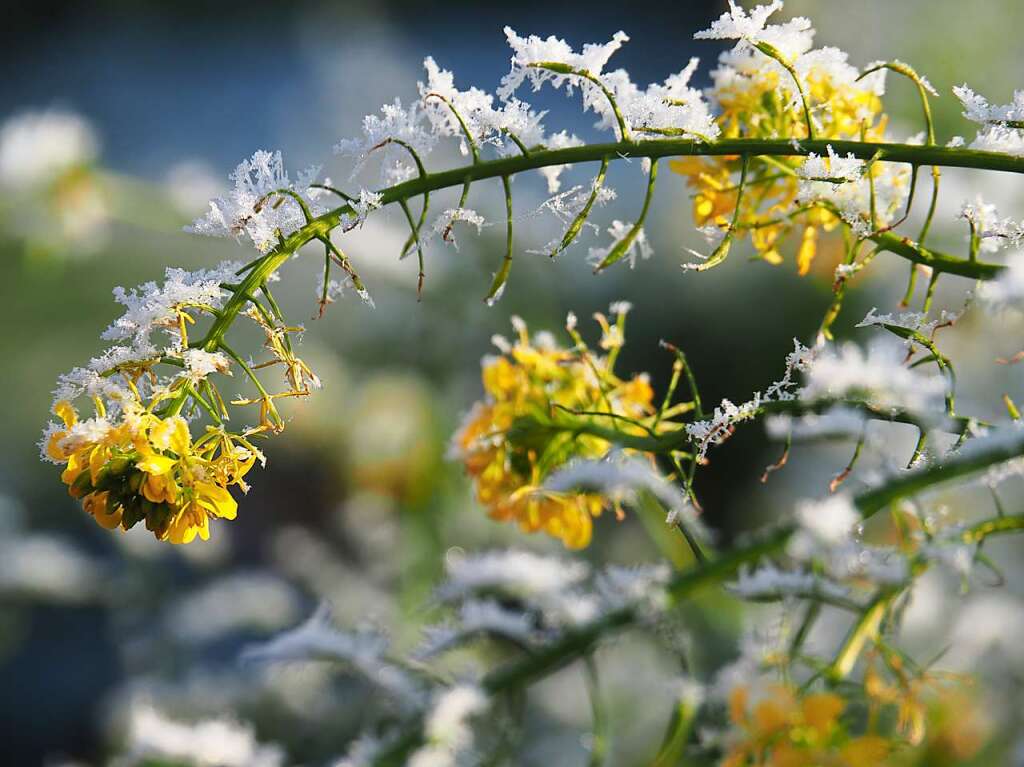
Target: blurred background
{"points": [[358, 505]]}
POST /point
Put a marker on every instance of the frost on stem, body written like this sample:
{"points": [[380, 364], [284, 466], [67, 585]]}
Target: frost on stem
{"points": [[478, 618], [444, 224], [361, 651], [865, 202], [1007, 292], [518, 573], [452, 112], [366, 203], [769, 583], [553, 173], [395, 123], [669, 108], [838, 422], [917, 322], [511, 127], [621, 478], [637, 248], [791, 38], [991, 232], [878, 376], [719, 427], [821, 525], [448, 728], [1002, 126], [528, 51]]}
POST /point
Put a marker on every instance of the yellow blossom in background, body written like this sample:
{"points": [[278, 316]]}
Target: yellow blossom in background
{"points": [[536, 380], [934, 712], [778, 727]]}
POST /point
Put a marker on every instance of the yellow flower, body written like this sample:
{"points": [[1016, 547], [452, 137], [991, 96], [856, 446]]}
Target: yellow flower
{"points": [[148, 468], [97, 505], [208, 500], [171, 434], [751, 107], [66, 412], [783, 729], [865, 751], [537, 382]]}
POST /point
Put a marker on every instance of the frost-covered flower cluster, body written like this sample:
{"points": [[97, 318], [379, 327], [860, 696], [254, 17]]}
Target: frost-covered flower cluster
{"points": [[559, 438], [151, 306]]}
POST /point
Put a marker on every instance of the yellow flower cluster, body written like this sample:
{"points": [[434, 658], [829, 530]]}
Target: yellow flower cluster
{"points": [[147, 468], [780, 728], [753, 104], [535, 381]]}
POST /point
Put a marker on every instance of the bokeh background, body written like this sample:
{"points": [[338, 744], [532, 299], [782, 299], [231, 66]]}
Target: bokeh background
{"points": [[358, 505]]}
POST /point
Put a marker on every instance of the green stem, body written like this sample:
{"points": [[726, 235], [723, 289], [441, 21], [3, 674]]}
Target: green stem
{"points": [[621, 248], [599, 727], [577, 224], [506, 265], [415, 236], [865, 629], [271, 409], [972, 460], [670, 147], [320, 227]]}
